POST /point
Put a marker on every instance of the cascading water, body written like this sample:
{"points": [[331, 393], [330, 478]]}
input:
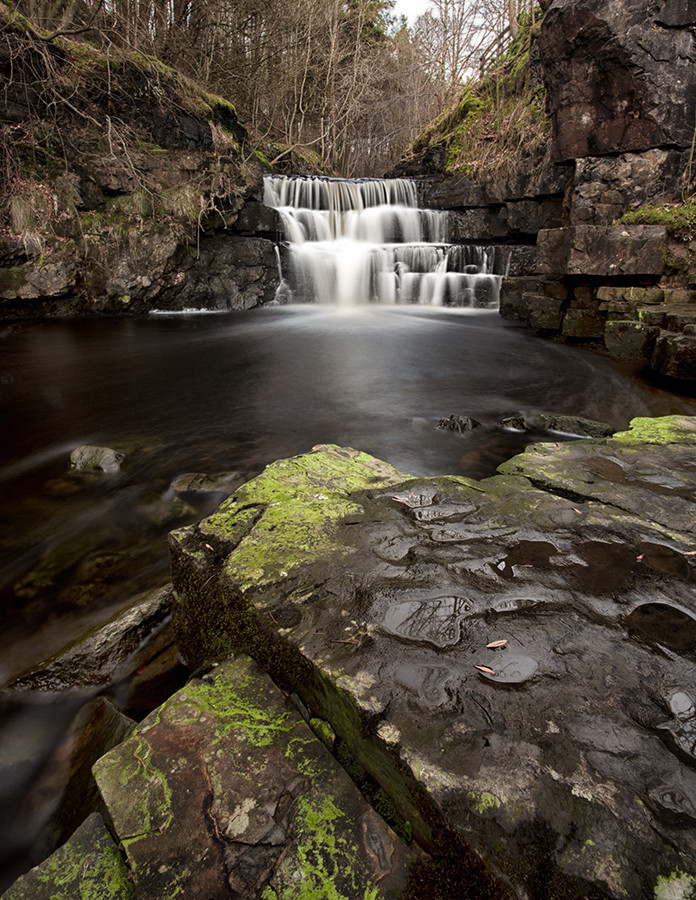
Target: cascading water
{"points": [[365, 241]]}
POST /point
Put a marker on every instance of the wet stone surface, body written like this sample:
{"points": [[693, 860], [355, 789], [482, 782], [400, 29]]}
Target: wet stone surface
{"points": [[225, 792], [510, 659]]}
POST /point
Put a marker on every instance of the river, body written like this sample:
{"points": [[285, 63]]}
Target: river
{"points": [[231, 392]]}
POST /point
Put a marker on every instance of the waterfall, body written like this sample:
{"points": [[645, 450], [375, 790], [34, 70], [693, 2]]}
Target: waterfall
{"points": [[351, 242]]}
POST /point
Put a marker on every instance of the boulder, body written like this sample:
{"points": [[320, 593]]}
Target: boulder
{"points": [[201, 483], [88, 867], [628, 339], [224, 791], [508, 658], [619, 76]]}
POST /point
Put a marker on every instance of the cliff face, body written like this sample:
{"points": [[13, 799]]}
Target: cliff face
{"points": [[605, 203], [124, 186]]}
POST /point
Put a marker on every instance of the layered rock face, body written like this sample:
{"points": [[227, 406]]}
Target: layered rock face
{"points": [[621, 96]]}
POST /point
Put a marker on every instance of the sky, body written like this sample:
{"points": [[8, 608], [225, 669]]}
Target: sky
{"points": [[410, 8]]}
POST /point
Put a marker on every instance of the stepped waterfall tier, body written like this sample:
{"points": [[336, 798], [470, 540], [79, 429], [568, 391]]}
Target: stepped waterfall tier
{"points": [[366, 241]]}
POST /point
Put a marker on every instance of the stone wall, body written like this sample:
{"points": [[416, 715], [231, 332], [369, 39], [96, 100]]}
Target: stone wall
{"points": [[620, 81]]}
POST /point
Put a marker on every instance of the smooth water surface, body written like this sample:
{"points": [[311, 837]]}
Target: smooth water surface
{"points": [[232, 392]]}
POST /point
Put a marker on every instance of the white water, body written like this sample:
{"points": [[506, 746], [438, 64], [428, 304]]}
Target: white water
{"points": [[356, 242]]}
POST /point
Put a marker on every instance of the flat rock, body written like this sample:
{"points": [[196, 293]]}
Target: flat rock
{"points": [[88, 867], [224, 791], [507, 658]]}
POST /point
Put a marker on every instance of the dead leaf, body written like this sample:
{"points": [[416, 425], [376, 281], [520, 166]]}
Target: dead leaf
{"points": [[210, 548], [577, 511], [494, 644], [485, 669], [640, 558], [690, 553]]}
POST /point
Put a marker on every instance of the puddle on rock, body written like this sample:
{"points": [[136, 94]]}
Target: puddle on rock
{"points": [[609, 566], [664, 624], [664, 560], [512, 669], [435, 621], [528, 554]]}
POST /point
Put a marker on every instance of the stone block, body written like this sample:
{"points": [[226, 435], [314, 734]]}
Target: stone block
{"points": [[675, 357], [629, 339], [606, 187], [512, 291], [635, 250], [524, 216], [582, 323], [486, 223], [553, 246], [224, 791], [543, 313]]}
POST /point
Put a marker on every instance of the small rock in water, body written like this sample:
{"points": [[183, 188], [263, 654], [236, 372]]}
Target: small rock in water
{"points": [[515, 423], [575, 425], [90, 458], [459, 424]]}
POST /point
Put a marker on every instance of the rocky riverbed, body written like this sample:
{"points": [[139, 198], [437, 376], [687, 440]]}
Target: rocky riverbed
{"points": [[505, 666]]}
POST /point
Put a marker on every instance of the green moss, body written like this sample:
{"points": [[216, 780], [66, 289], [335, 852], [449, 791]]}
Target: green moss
{"points": [[87, 867], [325, 857], [483, 801], [664, 430], [230, 703], [496, 121], [679, 220]]}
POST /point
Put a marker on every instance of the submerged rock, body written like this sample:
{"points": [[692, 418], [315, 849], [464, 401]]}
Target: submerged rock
{"points": [[459, 423], [471, 643], [225, 792], [90, 458]]}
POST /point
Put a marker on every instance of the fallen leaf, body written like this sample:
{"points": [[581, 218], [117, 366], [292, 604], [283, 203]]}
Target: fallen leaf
{"points": [[495, 644], [210, 548], [690, 553], [485, 669], [640, 558], [577, 511]]}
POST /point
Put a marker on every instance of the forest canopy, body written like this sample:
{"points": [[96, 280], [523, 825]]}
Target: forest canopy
{"points": [[343, 80]]}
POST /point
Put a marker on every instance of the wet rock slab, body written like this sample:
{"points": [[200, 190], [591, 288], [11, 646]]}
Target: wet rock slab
{"points": [[506, 658], [224, 791]]}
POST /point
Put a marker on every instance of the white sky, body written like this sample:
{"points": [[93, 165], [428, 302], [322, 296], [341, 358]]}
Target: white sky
{"points": [[410, 8]]}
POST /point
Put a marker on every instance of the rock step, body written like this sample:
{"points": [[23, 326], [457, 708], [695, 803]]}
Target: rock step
{"points": [[224, 791]]}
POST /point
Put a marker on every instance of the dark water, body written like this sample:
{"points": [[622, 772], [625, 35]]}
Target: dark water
{"points": [[230, 392]]}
